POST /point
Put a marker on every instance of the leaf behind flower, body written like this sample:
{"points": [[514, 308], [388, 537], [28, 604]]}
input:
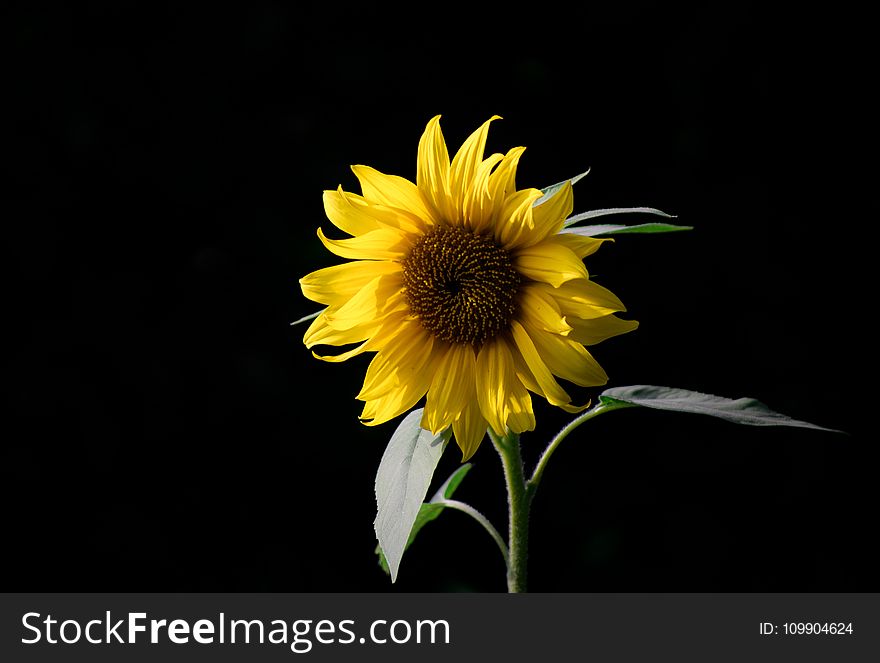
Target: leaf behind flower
{"points": [[746, 411]]}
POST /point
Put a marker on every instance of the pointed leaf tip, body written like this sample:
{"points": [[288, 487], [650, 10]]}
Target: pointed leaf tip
{"points": [[306, 318]]}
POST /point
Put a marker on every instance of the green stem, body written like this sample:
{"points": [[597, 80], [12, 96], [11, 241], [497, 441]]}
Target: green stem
{"points": [[520, 492], [480, 518], [519, 502], [532, 484]]}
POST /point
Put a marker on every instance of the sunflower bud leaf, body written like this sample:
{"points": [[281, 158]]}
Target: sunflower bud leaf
{"points": [[596, 213], [746, 411], [430, 510], [402, 481]]}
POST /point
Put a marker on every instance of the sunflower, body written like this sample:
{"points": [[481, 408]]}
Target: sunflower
{"points": [[465, 289]]}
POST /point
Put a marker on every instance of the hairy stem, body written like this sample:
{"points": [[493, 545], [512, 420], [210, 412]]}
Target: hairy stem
{"points": [[519, 503]]}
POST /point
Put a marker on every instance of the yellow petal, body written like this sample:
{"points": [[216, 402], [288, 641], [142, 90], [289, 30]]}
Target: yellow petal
{"points": [[366, 304], [469, 429], [320, 333], [547, 385], [520, 416], [541, 310], [494, 375], [502, 182], [337, 284], [392, 191], [405, 395], [590, 332], [583, 298], [549, 216], [567, 359], [504, 401], [514, 221], [432, 172], [366, 346], [581, 246], [345, 216], [404, 358], [465, 163], [355, 214], [549, 262], [383, 244], [394, 403], [452, 384], [478, 207], [376, 331], [328, 336], [315, 327]]}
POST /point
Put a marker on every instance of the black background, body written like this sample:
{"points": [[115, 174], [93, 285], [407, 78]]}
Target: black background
{"points": [[171, 433]]}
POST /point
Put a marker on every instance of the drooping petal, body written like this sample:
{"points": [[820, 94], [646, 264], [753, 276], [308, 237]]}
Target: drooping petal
{"points": [[383, 244], [393, 191], [547, 385], [409, 380], [549, 262], [469, 429], [504, 401], [590, 332], [521, 416], [402, 359], [465, 163], [567, 359], [337, 284], [432, 172], [494, 373], [450, 387]]}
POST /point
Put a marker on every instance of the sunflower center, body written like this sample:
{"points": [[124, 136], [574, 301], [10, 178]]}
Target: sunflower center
{"points": [[461, 286]]}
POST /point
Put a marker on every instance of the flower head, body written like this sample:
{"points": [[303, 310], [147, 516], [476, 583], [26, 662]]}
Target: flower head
{"points": [[465, 289]]}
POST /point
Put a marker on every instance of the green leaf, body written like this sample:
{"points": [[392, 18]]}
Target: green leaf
{"points": [[451, 484], [596, 213], [746, 411], [402, 481], [306, 318], [612, 229], [553, 188], [430, 511], [427, 513]]}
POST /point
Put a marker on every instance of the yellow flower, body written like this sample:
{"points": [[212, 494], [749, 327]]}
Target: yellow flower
{"points": [[464, 288]]}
